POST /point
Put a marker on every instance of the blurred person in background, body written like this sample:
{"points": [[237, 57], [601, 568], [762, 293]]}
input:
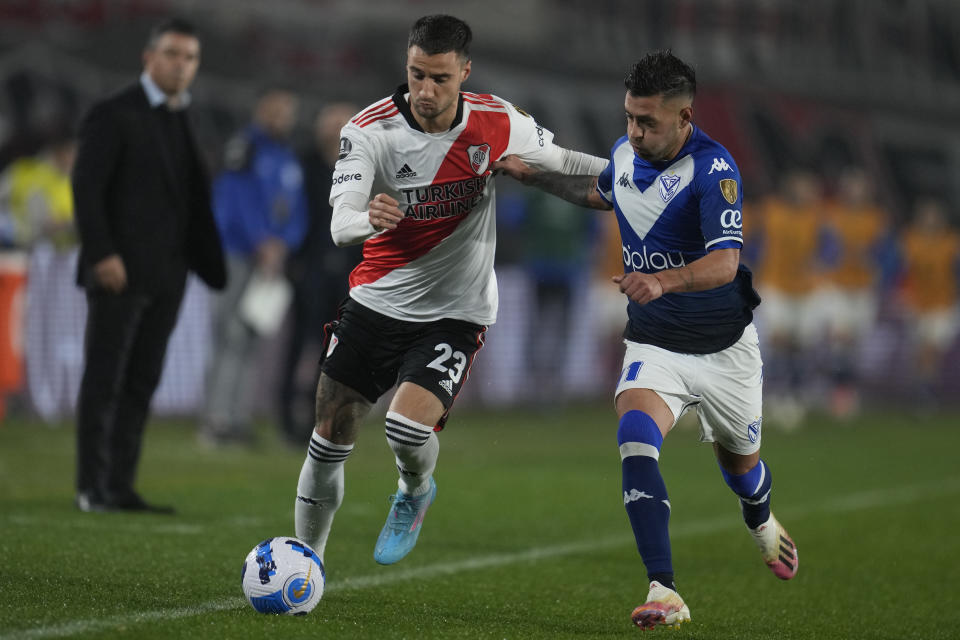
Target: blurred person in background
{"points": [[318, 271], [690, 340], [13, 277], [143, 215], [36, 193], [930, 283], [414, 183], [261, 211], [500, 376], [609, 303], [789, 275], [857, 232], [557, 239]]}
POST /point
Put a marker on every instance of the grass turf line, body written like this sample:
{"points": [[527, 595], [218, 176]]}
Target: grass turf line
{"points": [[556, 482]]}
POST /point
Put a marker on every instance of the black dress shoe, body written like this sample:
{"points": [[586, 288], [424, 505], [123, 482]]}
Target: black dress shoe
{"points": [[90, 502], [133, 502]]}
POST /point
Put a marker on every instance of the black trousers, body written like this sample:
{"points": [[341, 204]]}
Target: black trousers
{"points": [[125, 344], [315, 302]]}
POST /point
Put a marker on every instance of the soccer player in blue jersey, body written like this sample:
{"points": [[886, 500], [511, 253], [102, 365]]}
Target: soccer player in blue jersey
{"points": [[690, 341]]}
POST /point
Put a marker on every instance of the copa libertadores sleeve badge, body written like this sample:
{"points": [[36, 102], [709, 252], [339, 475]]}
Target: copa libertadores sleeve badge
{"points": [[728, 187]]}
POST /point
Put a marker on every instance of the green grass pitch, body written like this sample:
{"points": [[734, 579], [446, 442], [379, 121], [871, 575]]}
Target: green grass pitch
{"points": [[528, 537]]}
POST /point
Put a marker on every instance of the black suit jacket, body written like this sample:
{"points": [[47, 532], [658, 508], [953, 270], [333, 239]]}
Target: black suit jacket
{"points": [[128, 200]]}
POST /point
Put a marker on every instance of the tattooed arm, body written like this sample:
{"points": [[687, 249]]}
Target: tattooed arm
{"points": [[580, 190]]}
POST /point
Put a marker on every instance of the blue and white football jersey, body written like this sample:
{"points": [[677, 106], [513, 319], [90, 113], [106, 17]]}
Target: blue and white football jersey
{"points": [[670, 214]]}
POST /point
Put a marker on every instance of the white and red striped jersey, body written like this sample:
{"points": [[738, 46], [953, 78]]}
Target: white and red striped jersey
{"points": [[438, 262]]}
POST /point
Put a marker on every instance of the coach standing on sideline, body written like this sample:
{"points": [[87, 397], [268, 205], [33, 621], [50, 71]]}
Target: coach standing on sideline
{"points": [[144, 219]]}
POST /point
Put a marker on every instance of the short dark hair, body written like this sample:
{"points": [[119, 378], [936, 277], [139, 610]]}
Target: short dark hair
{"points": [[170, 25], [441, 33], [661, 73]]}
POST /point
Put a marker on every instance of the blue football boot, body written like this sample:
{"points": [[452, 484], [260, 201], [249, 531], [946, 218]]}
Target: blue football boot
{"points": [[400, 533]]}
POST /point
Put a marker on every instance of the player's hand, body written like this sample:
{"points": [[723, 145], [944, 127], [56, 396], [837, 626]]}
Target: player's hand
{"points": [[384, 212], [639, 287], [514, 167], [111, 274]]}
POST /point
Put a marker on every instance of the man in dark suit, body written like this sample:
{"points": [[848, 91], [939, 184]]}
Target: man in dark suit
{"points": [[143, 214]]}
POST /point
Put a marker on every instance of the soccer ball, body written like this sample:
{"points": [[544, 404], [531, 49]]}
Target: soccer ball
{"points": [[283, 576]]}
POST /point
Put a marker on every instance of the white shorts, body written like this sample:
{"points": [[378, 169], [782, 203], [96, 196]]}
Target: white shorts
{"points": [[726, 387]]}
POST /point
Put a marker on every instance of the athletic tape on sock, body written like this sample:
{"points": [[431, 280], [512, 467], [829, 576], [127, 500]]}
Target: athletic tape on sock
{"points": [[639, 435], [405, 431], [747, 485], [324, 451]]}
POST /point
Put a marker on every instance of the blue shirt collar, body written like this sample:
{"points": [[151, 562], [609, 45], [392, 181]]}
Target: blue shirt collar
{"points": [[156, 96]]}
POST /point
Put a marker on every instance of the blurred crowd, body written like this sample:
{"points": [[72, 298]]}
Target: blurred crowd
{"points": [[860, 290], [855, 297], [859, 302]]}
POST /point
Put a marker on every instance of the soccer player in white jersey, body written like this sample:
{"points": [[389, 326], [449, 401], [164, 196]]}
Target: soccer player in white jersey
{"points": [[425, 291], [690, 341]]}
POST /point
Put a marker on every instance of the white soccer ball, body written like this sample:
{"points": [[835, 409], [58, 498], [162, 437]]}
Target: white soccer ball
{"points": [[283, 576]]}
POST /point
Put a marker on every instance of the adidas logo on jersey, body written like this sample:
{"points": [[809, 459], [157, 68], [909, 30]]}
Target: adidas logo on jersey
{"points": [[406, 172], [447, 385]]}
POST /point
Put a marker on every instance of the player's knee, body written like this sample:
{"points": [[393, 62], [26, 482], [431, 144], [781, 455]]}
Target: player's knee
{"points": [[339, 410], [638, 434]]}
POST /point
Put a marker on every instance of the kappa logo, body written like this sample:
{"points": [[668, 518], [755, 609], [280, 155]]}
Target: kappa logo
{"points": [[479, 155], [634, 495], [624, 181], [668, 187], [405, 172], [447, 385], [719, 164]]}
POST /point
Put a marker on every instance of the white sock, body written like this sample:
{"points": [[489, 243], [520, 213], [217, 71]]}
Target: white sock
{"points": [[416, 448], [319, 491]]}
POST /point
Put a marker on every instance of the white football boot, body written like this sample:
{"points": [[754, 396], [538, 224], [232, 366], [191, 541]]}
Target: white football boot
{"points": [[777, 548], [664, 606]]}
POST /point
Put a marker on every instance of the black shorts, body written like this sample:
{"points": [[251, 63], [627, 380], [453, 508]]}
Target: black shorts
{"points": [[370, 352]]}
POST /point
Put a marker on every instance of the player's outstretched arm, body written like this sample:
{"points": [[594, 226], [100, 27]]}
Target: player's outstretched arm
{"points": [[580, 190]]}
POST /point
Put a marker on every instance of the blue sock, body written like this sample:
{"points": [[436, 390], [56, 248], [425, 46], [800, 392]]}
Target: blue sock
{"points": [[753, 487], [644, 493]]}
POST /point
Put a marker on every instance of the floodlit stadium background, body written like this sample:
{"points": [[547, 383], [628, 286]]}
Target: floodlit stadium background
{"points": [[817, 84]]}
